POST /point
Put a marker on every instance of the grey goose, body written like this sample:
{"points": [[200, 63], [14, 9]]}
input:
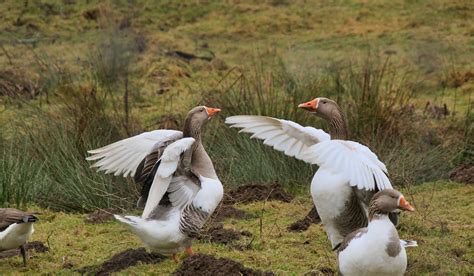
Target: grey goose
{"points": [[180, 186], [349, 173], [16, 228], [376, 249]]}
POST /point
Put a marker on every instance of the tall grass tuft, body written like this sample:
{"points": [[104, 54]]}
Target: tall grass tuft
{"points": [[20, 176], [376, 96]]}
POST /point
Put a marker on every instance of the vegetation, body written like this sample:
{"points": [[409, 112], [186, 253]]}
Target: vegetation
{"points": [[441, 226], [77, 75]]}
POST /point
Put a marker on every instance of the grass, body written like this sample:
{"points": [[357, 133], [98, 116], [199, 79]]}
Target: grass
{"points": [[442, 225]]}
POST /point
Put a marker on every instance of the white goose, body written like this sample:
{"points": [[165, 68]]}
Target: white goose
{"points": [[180, 186], [16, 228], [376, 249], [349, 173]]}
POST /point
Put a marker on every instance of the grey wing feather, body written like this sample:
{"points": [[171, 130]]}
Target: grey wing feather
{"points": [[9, 216], [147, 168], [354, 216]]}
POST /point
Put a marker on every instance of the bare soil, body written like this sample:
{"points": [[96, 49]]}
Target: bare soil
{"points": [[100, 216], [228, 211], [303, 224], [463, 174], [257, 192], [216, 233], [201, 264], [37, 246], [120, 261]]}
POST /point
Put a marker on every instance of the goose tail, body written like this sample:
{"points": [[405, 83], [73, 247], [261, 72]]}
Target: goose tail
{"points": [[408, 243]]}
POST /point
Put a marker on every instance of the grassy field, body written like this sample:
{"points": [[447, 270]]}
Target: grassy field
{"points": [[77, 75], [442, 225]]}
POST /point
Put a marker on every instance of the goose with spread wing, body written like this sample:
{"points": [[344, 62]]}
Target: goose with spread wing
{"points": [[349, 173], [180, 186], [376, 249], [16, 228]]}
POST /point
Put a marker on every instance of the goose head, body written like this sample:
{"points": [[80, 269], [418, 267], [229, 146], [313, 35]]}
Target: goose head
{"points": [[389, 200], [322, 107], [197, 118]]}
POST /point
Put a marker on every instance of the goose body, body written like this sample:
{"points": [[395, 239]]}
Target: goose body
{"points": [[367, 254], [16, 228], [180, 187], [16, 235], [349, 173], [376, 249]]}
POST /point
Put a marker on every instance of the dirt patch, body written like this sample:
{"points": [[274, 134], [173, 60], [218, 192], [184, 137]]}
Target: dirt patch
{"points": [[257, 192], [464, 174], [201, 264], [320, 271], [120, 261], [303, 224], [216, 233], [100, 216], [228, 211], [37, 246]]}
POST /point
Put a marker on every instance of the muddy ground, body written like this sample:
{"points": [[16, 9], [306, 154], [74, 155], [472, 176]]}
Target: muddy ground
{"points": [[257, 192], [201, 264], [463, 174], [303, 224], [35, 246], [122, 260], [100, 216]]}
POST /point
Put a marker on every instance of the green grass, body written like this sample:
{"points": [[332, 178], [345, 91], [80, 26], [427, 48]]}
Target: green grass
{"points": [[442, 225]]}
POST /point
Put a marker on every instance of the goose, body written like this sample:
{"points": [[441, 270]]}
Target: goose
{"points": [[180, 186], [16, 228], [349, 173], [376, 249]]}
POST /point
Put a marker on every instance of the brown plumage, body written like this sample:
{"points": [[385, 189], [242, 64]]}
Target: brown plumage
{"points": [[8, 216]]}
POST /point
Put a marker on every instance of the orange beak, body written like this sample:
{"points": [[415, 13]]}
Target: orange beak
{"points": [[311, 105], [212, 111], [404, 205]]}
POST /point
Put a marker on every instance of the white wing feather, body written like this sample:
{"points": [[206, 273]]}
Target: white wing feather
{"points": [[357, 162], [124, 156], [286, 136], [163, 176]]}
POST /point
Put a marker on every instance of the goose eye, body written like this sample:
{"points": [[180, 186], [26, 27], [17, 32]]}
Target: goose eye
{"points": [[324, 102]]}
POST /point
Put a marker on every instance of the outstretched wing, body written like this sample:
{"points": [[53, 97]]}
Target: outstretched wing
{"points": [[180, 189], [124, 156], [357, 162], [286, 136]]}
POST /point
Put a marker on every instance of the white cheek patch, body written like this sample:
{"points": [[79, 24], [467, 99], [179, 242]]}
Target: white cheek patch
{"points": [[398, 201]]}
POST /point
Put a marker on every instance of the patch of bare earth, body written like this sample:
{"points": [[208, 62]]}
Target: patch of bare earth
{"points": [[257, 192], [100, 216], [122, 260], [303, 224], [463, 174], [37, 246], [216, 233], [201, 264]]}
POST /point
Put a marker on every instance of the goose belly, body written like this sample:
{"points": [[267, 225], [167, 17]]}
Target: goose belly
{"points": [[164, 236], [330, 192], [15, 235], [367, 255]]}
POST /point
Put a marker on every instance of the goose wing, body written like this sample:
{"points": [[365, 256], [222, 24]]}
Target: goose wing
{"points": [[124, 156], [178, 187], [355, 161], [286, 136]]}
